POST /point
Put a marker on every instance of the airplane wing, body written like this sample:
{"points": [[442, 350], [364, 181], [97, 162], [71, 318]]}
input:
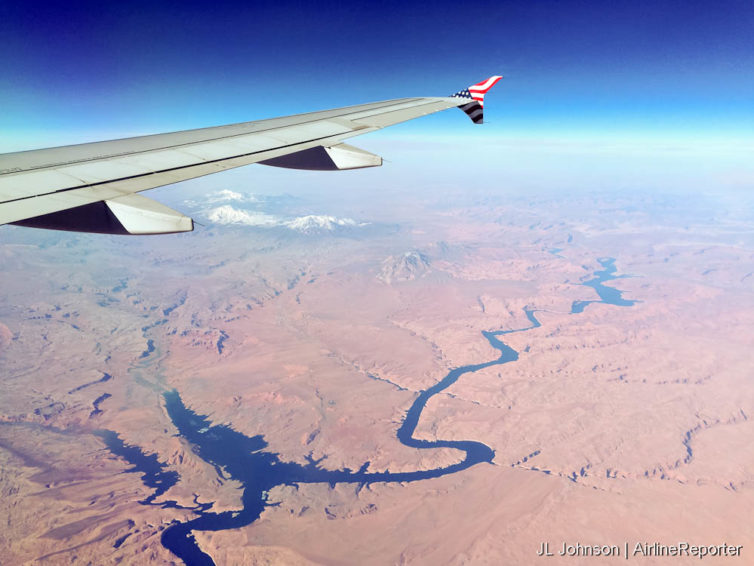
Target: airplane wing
{"points": [[93, 187]]}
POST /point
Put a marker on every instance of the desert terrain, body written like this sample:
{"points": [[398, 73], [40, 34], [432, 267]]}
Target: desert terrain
{"points": [[299, 332]]}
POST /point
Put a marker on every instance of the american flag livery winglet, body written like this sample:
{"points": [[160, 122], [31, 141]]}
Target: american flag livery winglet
{"points": [[475, 108]]}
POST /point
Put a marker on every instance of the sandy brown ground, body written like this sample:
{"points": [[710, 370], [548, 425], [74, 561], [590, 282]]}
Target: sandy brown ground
{"points": [[616, 426]]}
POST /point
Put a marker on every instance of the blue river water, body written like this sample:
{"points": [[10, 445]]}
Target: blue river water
{"points": [[607, 295], [245, 459]]}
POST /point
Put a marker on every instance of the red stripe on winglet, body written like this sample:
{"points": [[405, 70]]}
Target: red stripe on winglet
{"points": [[485, 85]]}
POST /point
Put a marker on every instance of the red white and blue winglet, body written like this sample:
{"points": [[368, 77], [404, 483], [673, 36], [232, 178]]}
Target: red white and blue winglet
{"points": [[475, 109]]}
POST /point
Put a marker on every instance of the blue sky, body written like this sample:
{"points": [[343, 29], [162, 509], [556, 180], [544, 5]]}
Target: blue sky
{"points": [[574, 70], [574, 66]]}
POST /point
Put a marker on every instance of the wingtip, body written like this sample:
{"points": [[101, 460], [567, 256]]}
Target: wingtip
{"points": [[484, 86], [475, 93]]}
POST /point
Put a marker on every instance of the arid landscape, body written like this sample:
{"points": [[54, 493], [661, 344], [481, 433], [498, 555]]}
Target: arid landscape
{"points": [[245, 384]]}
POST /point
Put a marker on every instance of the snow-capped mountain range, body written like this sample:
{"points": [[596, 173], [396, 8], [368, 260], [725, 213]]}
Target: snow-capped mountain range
{"points": [[238, 214]]}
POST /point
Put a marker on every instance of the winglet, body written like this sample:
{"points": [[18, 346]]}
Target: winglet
{"points": [[475, 108]]}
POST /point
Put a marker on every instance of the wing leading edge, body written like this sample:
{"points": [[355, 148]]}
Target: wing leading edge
{"points": [[92, 187]]}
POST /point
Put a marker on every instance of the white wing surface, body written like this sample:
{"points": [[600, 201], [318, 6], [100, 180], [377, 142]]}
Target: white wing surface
{"points": [[93, 187]]}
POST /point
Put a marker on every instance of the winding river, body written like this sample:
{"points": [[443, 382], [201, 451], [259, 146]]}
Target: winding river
{"points": [[245, 459]]}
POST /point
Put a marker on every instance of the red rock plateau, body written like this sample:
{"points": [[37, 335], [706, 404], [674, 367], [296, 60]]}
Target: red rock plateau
{"points": [[617, 425]]}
